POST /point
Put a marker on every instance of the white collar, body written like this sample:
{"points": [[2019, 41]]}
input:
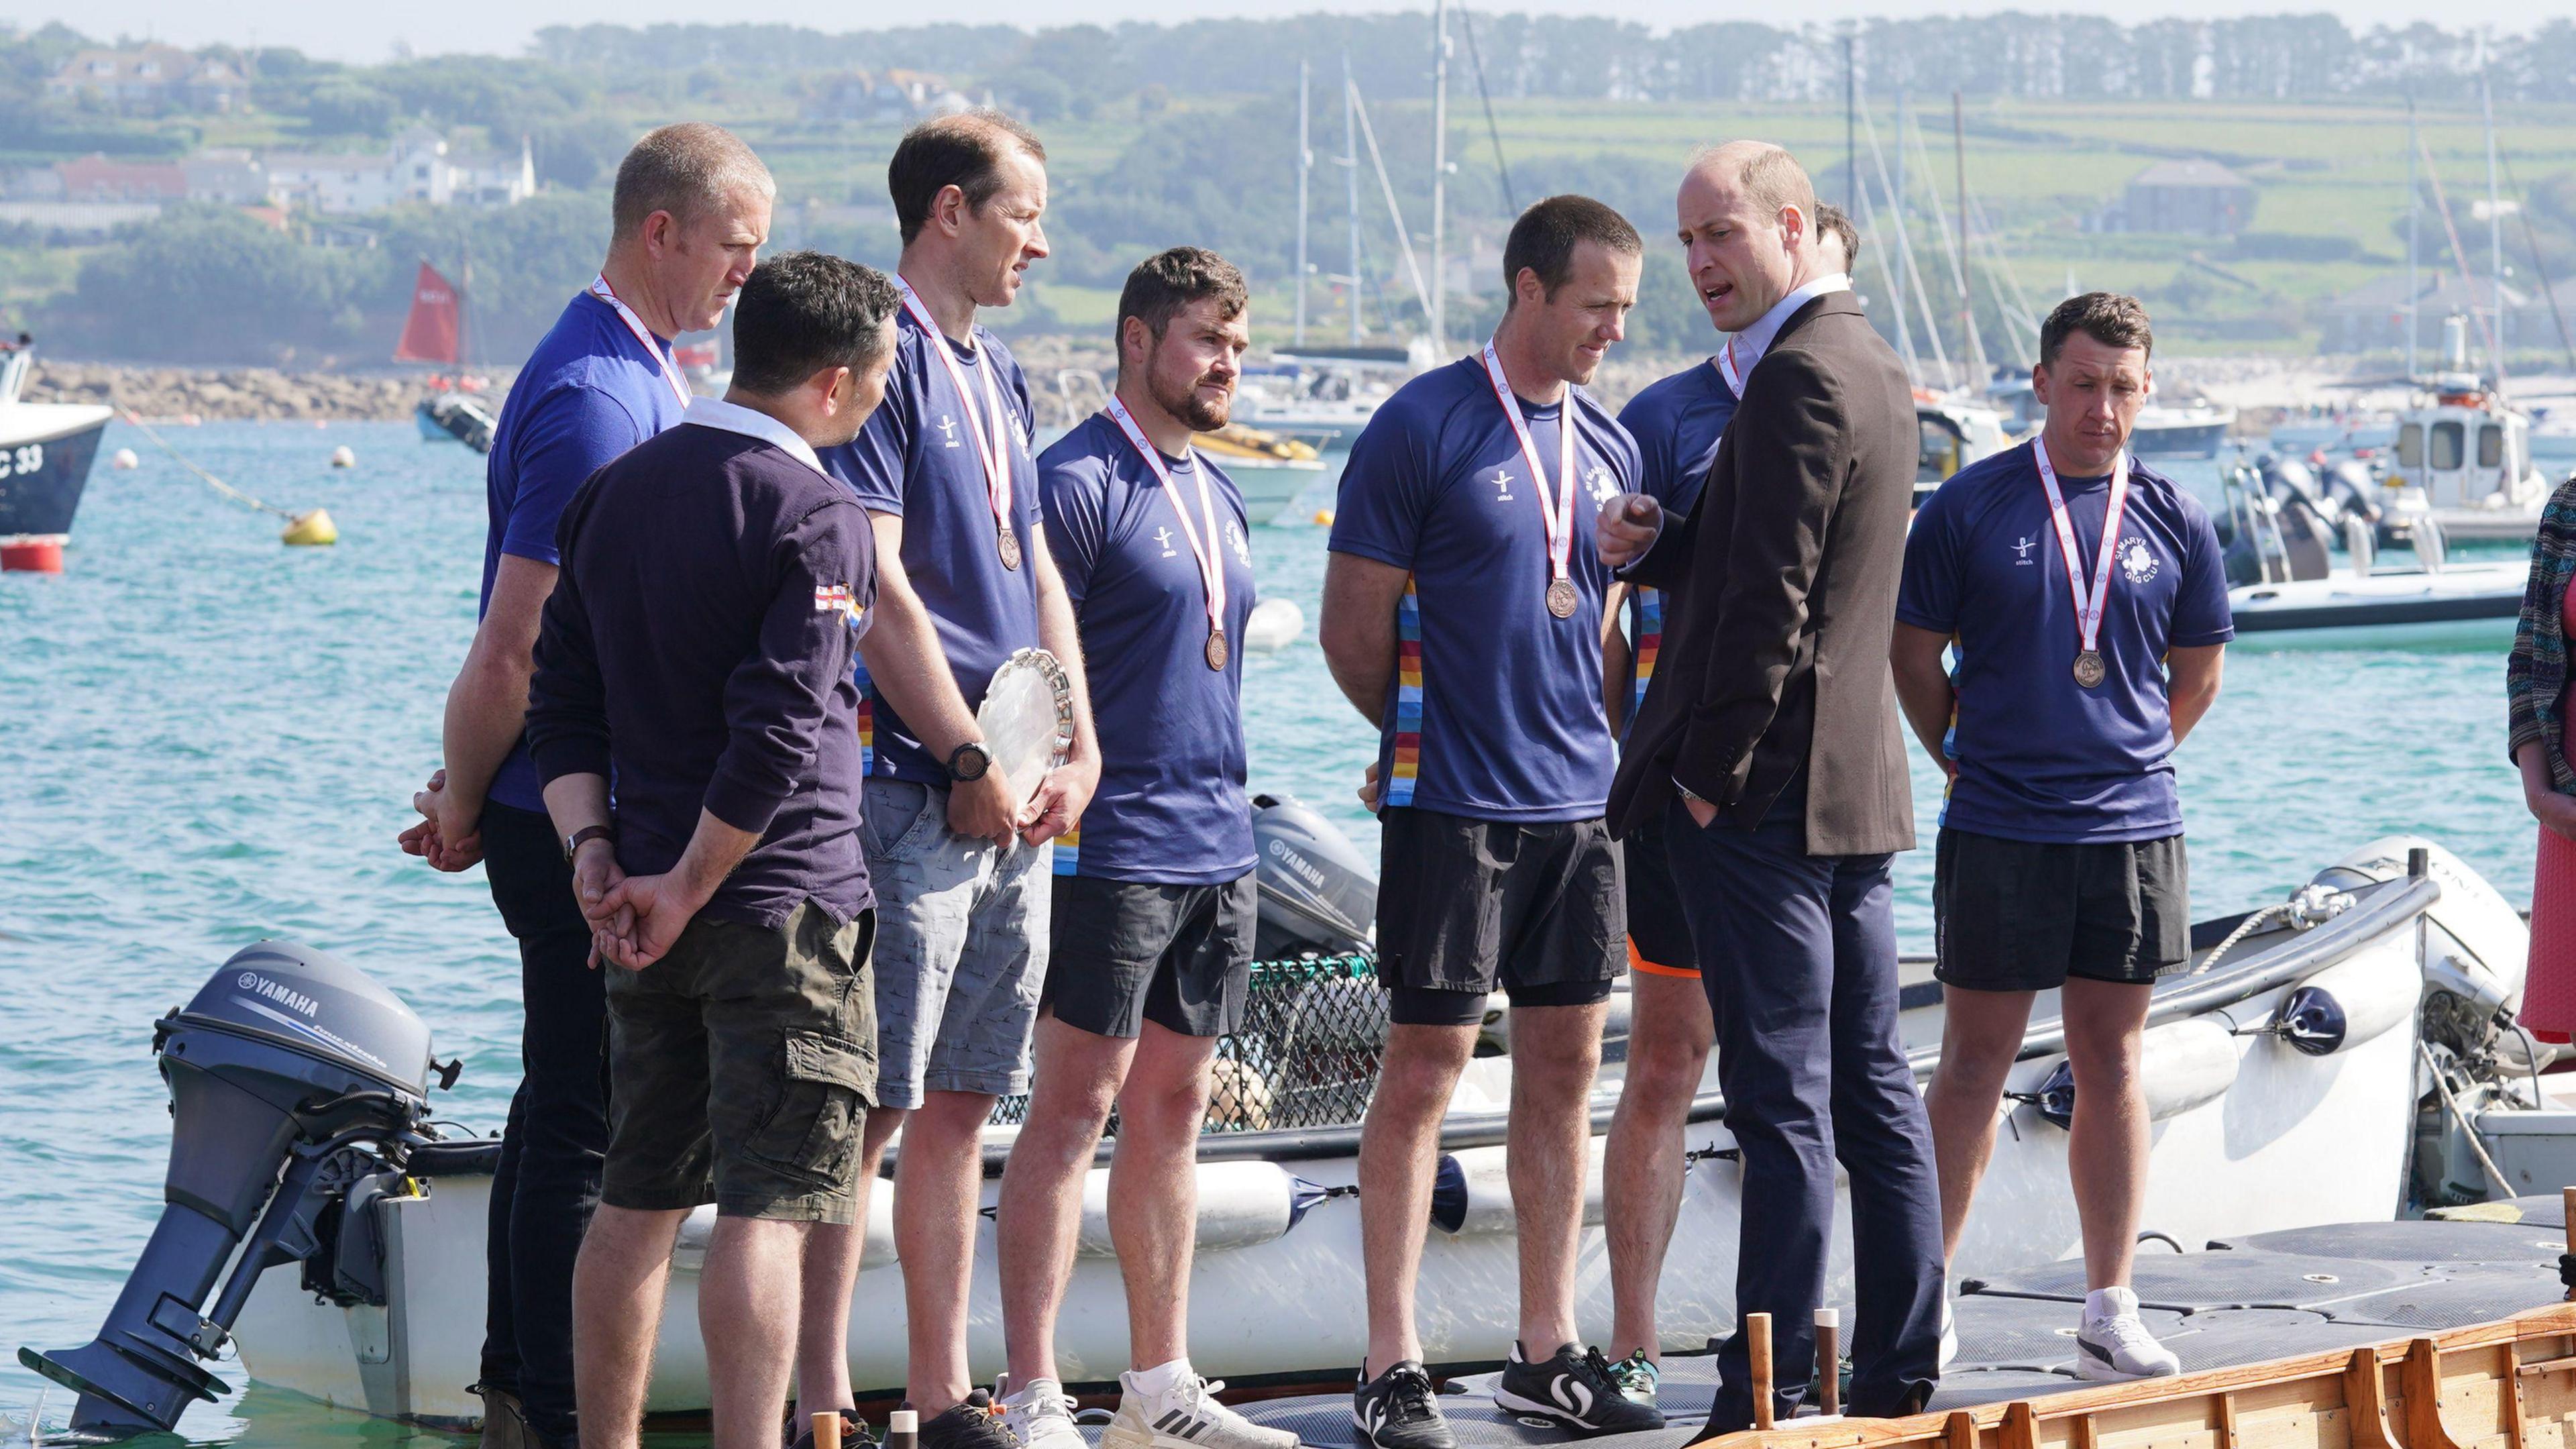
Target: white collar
{"points": [[715, 412], [1753, 341]]}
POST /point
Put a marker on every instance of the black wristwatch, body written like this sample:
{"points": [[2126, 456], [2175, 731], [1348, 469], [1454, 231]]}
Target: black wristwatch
{"points": [[969, 761], [585, 835]]}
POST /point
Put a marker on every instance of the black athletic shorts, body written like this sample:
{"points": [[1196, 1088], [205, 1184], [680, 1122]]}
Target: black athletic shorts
{"points": [[1123, 953], [1659, 939], [2020, 915], [1465, 905]]}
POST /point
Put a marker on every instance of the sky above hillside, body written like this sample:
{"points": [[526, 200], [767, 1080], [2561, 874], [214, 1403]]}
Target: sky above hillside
{"points": [[371, 33]]}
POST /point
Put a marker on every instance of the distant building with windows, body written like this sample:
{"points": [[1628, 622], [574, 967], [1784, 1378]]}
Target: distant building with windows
{"points": [[2372, 316], [96, 178], [2187, 198], [147, 77], [419, 168], [894, 97]]}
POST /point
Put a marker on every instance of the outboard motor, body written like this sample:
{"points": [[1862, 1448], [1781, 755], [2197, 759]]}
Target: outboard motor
{"points": [[292, 1075], [1317, 891]]}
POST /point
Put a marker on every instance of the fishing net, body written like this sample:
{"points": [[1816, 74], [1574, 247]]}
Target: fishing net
{"points": [[1313, 1031]]}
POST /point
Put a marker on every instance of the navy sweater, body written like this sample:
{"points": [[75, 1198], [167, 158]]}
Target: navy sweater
{"points": [[698, 644]]}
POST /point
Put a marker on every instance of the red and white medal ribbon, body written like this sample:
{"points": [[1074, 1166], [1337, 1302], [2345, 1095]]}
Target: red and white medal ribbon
{"points": [[1726, 369], [1203, 546], [1557, 515], [661, 355], [986, 430], [2088, 606]]}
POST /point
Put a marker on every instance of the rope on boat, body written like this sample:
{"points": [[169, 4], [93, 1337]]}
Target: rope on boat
{"points": [[2459, 1114], [218, 484], [2312, 906]]}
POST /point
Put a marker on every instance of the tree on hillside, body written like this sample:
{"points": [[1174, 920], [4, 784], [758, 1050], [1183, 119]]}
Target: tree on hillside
{"points": [[209, 284]]}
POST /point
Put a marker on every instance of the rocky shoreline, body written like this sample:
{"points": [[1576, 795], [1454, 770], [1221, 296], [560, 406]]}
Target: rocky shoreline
{"points": [[247, 394]]}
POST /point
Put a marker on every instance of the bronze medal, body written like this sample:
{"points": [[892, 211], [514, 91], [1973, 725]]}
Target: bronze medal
{"points": [[1216, 649], [2089, 669], [1561, 598], [1009, 544]]}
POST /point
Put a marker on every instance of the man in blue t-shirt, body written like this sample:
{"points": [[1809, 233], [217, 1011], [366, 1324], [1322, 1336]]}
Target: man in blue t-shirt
{"points": [[2086, 603], [1462, 617], [689, 214], [1677, 422], [1154, 897], [957, 852]]}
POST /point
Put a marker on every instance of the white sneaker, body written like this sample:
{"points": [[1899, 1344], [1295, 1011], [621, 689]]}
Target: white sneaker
{"points": [[1185, 1416], [1041, 1417], [1949, 1334], [2114, 1344]]}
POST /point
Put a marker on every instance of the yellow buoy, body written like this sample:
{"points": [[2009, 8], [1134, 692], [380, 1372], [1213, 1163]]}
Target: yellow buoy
{"points": [[344, 456], [1323, 518], [312, 528]]}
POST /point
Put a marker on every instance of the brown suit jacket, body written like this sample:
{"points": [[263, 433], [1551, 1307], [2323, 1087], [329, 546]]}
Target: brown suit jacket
{"points": [[1783, 597]]}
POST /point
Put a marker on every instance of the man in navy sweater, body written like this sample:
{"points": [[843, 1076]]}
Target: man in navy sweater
{"points": [[697, 646]]}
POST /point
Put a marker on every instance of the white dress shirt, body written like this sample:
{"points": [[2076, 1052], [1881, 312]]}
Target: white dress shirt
{"points": [[1748, 345]]}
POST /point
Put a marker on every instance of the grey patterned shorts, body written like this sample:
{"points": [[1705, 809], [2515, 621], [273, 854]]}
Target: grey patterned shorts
{"points": [[961, 949]]}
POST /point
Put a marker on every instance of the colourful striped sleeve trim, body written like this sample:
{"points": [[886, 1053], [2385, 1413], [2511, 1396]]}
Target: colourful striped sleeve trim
{"points": [[1405, 758], [867, 716], [1650, 641]]}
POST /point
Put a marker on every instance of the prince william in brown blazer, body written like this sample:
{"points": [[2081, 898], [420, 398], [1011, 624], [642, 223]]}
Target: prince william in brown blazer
{"points": [[1769, 739]]}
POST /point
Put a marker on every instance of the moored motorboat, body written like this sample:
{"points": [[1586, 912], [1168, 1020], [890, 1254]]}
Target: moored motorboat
{"points": [[45, 454], [2282, 1075], [2279, 525]]}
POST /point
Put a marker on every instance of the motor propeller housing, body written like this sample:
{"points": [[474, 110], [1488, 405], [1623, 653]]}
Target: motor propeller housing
{"points": [[290, 1073]]}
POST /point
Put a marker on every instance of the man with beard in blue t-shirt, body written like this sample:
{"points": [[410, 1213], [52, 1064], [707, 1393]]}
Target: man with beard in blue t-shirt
{"points": [[2085, 600], [689, 214], [1151, 947], [1462, 617]]}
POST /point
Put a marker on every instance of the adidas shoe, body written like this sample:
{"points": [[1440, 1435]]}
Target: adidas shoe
{"points": [[1637, 1377], [974, 1424], [1949, 1335], [1041, 1417], [1399, 1410], [1185, 1416], [1573, 1390], [2114, 1344]]}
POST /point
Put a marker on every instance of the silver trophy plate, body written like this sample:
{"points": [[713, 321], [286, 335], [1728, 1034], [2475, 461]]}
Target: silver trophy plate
{"points": [[1027, 719]]}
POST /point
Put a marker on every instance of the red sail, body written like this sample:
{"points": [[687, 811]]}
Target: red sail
{"points": [[430, 333]]}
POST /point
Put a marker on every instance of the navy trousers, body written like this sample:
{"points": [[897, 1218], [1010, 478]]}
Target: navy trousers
{"points": [[556, 1140], [1798, 953]]}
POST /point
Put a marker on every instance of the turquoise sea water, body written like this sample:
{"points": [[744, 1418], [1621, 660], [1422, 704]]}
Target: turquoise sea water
{"points": [[207, 738]]}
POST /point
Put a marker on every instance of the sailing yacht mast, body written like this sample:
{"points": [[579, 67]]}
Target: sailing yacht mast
{"points": [[1351, 198], [2495, 214], [1305, 163], [1967, 307], [2414, 248], [1439, 174]]}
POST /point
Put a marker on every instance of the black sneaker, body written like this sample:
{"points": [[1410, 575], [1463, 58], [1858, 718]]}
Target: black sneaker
{"points": [[970, 1425], [1575, 1391], [1399, 1410], [854, 1434]]}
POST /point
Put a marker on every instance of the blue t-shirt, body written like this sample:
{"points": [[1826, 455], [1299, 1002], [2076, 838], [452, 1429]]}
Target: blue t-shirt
{"points": [[916, 459], [1677, 423], [1171, 807], [1494, 712], [588, 393], [2041, 757]]}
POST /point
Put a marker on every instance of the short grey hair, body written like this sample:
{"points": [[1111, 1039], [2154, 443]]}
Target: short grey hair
{"points": [[687, 169], [1767, 175]]}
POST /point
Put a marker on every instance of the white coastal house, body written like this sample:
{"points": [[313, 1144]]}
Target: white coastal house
{"points": [[420, 167]]}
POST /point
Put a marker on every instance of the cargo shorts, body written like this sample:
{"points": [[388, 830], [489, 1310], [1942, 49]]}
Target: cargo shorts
{"points": [[740, 1069]]}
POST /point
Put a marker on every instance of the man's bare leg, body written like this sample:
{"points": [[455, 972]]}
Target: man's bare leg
{"points": [[824, 1287], [1669, 1035], [747, 1314], [617, 1287], [1154, 1189], [1980, 1035], [1556, 1051], [2107, 1156], [1040, 1217], [1399, 1152], [938, 1199]]}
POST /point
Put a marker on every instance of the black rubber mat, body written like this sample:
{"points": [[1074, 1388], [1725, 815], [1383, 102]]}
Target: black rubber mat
{"points": [[2414, 1242]]}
